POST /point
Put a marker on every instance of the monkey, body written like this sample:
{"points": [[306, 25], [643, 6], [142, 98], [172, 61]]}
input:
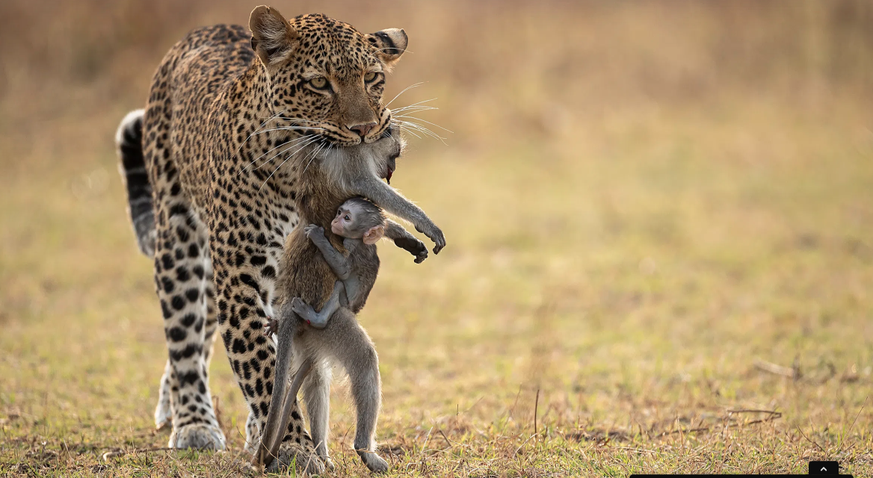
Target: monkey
{"points": [[305, 273], [361, 224]]}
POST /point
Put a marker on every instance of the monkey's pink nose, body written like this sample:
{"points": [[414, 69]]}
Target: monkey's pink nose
{"points": [[363, 129]]}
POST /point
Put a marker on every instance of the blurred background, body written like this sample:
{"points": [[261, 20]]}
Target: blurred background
{"points": [[648, 206]]}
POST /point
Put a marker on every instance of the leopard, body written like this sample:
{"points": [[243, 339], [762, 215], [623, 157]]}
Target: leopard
{"points": [[213, 170]]}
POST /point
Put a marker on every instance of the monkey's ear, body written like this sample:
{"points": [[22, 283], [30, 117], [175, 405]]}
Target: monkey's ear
{"points": [[272, 36], [373, 235], [389, 44]]}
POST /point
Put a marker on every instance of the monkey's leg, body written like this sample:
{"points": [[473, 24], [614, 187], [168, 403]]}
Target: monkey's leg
{"points": [[405, 240], [319, 319], [288, 406], [337, 262], [274, 428], [316, 395], [349, 343]]}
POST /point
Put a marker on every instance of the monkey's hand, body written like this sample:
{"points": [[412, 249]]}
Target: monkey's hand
{"points": [[413, 246], [271, 327], [434, 233], [313, 229]]}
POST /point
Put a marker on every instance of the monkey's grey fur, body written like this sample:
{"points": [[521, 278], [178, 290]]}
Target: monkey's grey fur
{"points": [[356, 270], [341, 173]]}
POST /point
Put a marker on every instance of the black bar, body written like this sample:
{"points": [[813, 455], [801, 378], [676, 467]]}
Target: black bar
{"points": [[733, 476]]}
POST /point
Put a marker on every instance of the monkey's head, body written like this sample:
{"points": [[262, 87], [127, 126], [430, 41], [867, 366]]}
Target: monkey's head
{"points": [[378, 158], [358, 218], [384, 153]]}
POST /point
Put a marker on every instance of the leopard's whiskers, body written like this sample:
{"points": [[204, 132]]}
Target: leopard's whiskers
{"points": [[414, 85], [418, 104], [314, 155], [278, 115], [287, 157], [413, 125], [271, 118], [279, 145], [300, 145], [416, 118]]}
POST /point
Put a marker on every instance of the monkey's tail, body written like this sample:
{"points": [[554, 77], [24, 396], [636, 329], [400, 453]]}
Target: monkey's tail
{"points": [[128, 144]]}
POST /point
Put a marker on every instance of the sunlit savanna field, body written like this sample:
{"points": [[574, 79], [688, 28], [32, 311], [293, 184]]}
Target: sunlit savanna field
{"points": [[660, 229]]}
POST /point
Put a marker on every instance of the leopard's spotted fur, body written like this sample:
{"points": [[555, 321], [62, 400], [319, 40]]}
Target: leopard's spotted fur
{"points": [[221, 206]]}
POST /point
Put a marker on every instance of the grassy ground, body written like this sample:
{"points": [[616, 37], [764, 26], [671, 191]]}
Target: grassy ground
{"points": [[659, 272]]}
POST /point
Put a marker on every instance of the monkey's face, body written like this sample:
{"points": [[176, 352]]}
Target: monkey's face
{"points": [[378, 159], [383, 154], [344, 223]]}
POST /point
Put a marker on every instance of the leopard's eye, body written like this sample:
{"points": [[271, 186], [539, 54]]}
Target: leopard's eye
{"points": [[369, 77], [319, 83]]}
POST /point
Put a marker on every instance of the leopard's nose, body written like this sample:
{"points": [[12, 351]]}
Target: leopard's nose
{"points": [[363, 129]]}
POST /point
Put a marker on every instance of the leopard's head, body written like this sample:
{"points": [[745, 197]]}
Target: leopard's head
{"points": [[324, 75]]}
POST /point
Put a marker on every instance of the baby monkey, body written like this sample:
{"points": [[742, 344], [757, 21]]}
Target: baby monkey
{"points": [[361, 223]]}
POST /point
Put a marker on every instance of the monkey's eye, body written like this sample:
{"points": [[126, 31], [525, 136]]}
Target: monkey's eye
{"points": [[320, 83], [347, 218]]}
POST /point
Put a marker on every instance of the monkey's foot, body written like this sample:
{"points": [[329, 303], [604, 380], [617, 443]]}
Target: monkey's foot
{"points": [[373, 461], [306, 461], [328, 463], [197, 436], [307, 313]]}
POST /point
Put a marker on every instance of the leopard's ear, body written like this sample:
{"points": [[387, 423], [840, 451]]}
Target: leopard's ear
{"points": [[273, 37], [389, 44]]}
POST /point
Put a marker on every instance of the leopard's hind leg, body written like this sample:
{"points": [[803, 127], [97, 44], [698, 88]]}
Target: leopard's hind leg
{"points": [[181, 280], [169, 382]]}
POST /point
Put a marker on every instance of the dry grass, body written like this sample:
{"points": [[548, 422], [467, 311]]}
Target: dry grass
{"points": [[648, 206]]}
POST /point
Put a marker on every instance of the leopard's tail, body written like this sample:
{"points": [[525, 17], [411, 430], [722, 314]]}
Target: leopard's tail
{"points": [[128, 144]]}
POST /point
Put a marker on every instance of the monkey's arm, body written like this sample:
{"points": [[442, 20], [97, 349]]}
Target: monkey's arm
{"points": [[319, 319], [389, 199], [337, 262], [404, 240]]}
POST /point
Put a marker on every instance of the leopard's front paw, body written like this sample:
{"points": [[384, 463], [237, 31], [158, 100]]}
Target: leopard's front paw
{"points": [[163, 414], [197, 436]]}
